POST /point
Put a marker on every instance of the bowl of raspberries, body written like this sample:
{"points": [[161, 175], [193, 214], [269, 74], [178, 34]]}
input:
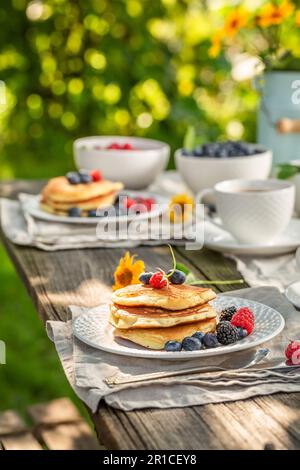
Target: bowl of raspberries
{"points": [[134, 161], [208, 164]]}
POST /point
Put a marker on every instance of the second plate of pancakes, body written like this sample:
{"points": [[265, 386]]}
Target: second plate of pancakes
{"points": [[33, 207], [94, 329]]}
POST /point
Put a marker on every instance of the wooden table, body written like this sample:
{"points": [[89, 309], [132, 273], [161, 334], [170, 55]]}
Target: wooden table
{"points": [[84, 277]]}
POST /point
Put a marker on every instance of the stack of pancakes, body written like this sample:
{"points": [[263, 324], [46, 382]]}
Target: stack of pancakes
{"points": [[150, 317], [59, 196]]}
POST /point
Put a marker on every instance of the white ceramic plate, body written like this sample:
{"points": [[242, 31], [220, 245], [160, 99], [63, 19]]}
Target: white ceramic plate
{"points": [[93, 329], [33, 208], [219, 239]]}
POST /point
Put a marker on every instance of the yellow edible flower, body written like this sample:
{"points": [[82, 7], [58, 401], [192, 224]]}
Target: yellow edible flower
{"points": [[272, 14], [128, 271], [216, 44], [180, 207], [236, 20]]}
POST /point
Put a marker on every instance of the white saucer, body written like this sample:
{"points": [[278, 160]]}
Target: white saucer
{"points": [[219, 239], [292, 293]]}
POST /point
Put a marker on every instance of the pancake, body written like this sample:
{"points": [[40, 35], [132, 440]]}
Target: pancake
{"points": [[50, 210], [156, 338], [173, 297], [94, 203], [153, 317], [60, 190]]}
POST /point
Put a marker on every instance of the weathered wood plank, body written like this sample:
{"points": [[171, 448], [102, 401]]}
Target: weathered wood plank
{"points": [[236, 425], [68, 436], [11, 188], [11, 422], [23, 441], [214, 266], [58, 411]]}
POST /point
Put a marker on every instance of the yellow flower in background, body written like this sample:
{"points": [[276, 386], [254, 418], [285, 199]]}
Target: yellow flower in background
{"points": [[298, 17], [272, 14], [216, 44], [128, 271], [236, 20], [180, 207]]}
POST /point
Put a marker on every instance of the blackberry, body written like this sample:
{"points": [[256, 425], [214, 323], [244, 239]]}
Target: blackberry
{"points": [[227, 313], [227, 333]]}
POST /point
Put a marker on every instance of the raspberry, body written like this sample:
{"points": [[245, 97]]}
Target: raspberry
{"points": [[243, 318], [129, 202], [114, 146], [149, 203], [290, 352], [158, 280], [127, 147], [96, 175]]}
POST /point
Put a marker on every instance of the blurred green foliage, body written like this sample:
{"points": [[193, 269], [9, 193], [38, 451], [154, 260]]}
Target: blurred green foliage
{"points": [[83, 67]]}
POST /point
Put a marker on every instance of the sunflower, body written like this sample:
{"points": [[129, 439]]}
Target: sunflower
{"points": [[180, 207], [298, 17], [272, 14], [216, 44], [236, 20], [128, 271]]}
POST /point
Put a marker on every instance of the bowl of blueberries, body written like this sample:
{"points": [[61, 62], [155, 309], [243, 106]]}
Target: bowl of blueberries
{"points": [[208, 164]]}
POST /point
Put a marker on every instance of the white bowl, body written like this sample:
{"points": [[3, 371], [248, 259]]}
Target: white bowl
{"points": [[136, 169], [296, 180], [204, 172]]}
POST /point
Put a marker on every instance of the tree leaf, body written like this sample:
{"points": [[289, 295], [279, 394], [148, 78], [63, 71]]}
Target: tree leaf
{"points": [[189, 138], [285, 171], [182, 267]]}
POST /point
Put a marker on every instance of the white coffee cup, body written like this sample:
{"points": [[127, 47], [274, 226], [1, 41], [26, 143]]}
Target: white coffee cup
{"points": [[254, 211]]}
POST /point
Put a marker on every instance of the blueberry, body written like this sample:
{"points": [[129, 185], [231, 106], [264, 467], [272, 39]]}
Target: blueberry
{"points": [[197, 152], [178, 277], [145, 278], [73, 177], [199, 335], [191, 344], [242, 333], [173, 346], [210, 340], [92, 213], [85, 177], [221, 152], [186, 152], [74, 212]]}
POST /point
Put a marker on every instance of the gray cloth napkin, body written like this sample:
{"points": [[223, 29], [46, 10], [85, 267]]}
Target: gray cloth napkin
{"points": [[23, 229], [86, 368], [278, 271]]}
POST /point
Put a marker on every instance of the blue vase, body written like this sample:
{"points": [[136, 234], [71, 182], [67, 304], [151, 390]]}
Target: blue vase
{"points": [[280, 98]]}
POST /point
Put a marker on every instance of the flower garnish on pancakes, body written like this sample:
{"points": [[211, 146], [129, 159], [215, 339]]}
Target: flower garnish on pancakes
{"points": [[128, 271]]}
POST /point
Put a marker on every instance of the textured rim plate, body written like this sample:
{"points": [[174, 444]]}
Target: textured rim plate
{"points": [[219, 240], [32, 207], [93, 329]]}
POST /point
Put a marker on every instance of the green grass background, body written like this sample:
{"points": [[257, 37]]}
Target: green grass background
{"points": [[32, 372]]}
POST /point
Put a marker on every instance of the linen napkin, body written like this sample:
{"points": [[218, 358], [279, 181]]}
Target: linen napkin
{"points": [[278, 270], [86, 368], [23, 229]]}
